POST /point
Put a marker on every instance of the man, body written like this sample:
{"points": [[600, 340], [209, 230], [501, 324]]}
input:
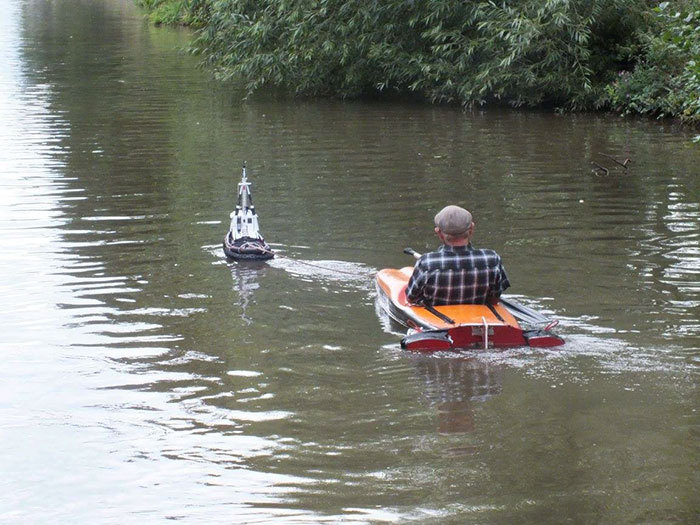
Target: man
{"points": [[457, 273]]}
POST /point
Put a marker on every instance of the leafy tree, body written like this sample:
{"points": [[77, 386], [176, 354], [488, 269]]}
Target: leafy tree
{"points": [[570, 54], [523, 52], [666, 82]]}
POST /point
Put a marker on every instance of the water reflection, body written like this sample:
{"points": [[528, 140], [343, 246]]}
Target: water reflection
{"points": [[453, 385], [246, 275], [130, 361]]}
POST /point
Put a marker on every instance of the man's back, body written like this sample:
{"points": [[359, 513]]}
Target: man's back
{"points": [[457, 275]]}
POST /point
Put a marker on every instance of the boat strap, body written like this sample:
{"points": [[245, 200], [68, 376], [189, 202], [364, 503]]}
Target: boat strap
{"points": [[436, 313], [447, 319], [494, 312]]}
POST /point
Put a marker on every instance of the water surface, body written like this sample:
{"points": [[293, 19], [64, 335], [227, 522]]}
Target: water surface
{"points": [[145, 377]]}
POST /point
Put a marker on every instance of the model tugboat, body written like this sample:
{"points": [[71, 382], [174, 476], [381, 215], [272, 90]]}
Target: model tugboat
{"points": [[243, 240]]}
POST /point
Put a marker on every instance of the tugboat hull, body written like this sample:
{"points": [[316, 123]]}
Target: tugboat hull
{"points": [[247, 248]]}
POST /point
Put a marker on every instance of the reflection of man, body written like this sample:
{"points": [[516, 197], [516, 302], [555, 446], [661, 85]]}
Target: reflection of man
{"points": [[457, 273], [455, 417], [451, 387]]}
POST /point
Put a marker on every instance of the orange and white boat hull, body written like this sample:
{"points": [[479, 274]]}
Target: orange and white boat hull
{"points": [[449, 327]]}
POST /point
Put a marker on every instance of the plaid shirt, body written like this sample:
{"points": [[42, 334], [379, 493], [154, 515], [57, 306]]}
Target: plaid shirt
{"points": [[457, 275]]}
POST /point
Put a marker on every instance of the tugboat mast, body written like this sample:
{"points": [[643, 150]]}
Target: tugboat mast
{"points": [[244, 220]]}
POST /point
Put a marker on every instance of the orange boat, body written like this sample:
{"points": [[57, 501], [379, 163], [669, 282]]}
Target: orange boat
{"points": [[461, 326]]}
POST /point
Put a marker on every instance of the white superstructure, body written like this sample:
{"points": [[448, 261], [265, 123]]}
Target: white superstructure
{"points": [[244, 220]]}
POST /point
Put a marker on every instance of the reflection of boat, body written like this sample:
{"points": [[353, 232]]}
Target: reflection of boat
{"points": [[458, 379], [243, 240], [245, 277], [452, 385], [462, 325]]}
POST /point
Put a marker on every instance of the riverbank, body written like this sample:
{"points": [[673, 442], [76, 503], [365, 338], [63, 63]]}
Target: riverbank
{"points": [[626, 56]]}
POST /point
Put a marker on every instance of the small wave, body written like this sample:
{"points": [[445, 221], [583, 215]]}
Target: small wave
{"points": [[346, 272]]}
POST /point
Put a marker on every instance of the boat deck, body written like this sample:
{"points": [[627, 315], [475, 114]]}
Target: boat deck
{"points": [[393, 283]]}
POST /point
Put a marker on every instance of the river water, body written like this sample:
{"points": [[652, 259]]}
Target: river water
{"points": [[144, 377]]}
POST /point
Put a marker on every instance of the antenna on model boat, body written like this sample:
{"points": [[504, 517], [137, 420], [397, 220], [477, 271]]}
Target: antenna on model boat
{"points": [[244, 191]]}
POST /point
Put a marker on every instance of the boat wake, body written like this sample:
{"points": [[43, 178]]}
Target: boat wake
{"points": [[356, 275], [588, 346]]}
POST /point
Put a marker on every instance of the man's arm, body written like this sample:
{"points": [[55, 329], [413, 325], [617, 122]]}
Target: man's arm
{"points": [[501, 283], [414, 290]]}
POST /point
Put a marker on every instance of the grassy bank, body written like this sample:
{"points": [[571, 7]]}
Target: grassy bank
{"points": [[629, 56]]}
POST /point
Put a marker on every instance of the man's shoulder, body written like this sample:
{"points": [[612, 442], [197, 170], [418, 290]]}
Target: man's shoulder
{"points": [[486, 257], [475, 253], [485, 252], [460, 255], [430, 257]]}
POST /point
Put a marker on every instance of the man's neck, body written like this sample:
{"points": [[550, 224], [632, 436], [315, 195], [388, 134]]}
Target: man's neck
{"points": [[460, 244]]}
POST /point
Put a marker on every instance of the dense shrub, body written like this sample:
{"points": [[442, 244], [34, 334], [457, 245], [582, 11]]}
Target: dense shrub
{"points": [[175, 12], [666, 81], [523, 52], [571, 54]]}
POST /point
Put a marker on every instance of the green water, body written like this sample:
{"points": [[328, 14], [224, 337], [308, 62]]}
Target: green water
{"points": [[145, 377]]}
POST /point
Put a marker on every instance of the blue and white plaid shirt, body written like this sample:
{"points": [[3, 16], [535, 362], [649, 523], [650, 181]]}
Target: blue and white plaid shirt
{"points": [[457, 275]]}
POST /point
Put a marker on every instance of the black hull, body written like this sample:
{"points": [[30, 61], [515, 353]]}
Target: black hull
{"points": [[247, 249]]}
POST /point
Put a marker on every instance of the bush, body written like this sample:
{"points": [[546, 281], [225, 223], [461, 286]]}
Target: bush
{"points": [[175, 12], [524, 52], [571, 54], [666, 81]]}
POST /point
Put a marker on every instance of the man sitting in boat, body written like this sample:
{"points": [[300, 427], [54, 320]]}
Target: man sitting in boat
{"points": [[457, 273]]}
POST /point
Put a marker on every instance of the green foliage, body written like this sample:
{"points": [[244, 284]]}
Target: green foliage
{"points": [[523, 52], [667, 81], [173, 12], [571, 54]]}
